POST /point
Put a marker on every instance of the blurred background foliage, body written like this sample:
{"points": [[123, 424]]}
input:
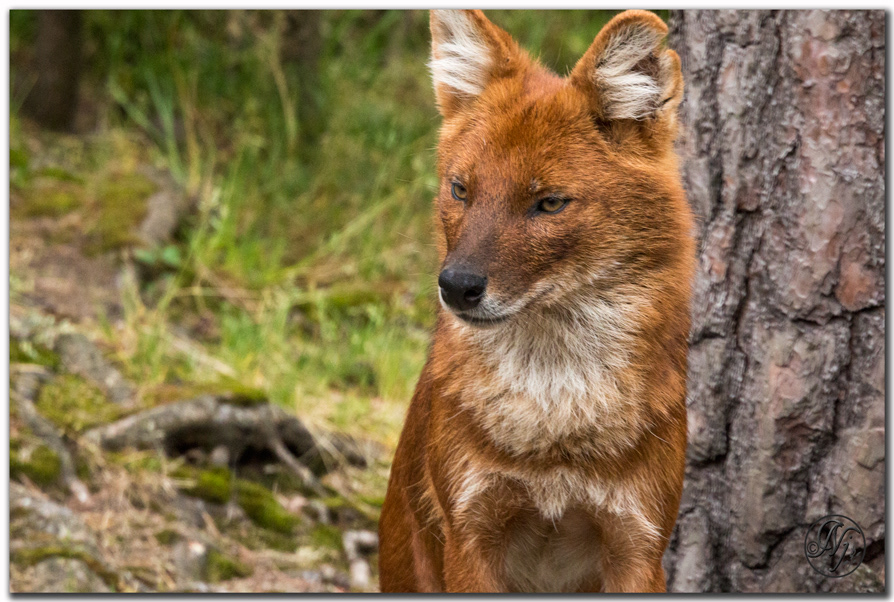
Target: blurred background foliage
{"points": [[306, 142]]}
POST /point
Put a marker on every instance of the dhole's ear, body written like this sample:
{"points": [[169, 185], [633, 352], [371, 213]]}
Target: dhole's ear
{"points": [[468, 52], [628, 74]]}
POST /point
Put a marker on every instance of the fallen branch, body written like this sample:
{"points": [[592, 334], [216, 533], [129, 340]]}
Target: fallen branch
{"points": [[209, 422]]}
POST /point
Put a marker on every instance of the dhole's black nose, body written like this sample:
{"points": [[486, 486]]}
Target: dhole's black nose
{"points": [[461, 290]]}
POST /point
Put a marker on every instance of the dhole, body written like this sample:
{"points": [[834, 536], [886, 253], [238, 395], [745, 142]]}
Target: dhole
{"points": [[544, 446]]}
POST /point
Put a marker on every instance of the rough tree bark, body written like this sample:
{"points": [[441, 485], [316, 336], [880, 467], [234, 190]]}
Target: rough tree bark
{"points": [[783, 162]]}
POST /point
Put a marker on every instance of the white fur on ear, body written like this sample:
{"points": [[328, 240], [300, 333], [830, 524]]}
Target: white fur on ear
{"points": [[461, 59], [628, 93]]}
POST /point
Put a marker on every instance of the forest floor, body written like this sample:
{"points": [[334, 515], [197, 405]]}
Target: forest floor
{"points": [[206, 502]]}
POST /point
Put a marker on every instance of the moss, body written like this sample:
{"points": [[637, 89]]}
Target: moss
{"points": [[217, 486], [32, 556], [263, 509], [335, 502], [50, 198], [57, 173], [272, 540], [42, 466], [239, 394], [120, 207], [134, 461], [373, 500], [167, 537], [26, 352], [212, 485], [232, 391], [74, 404], [221, 567], [255, 538], [18, 158], [83, 470], [326, 536]]}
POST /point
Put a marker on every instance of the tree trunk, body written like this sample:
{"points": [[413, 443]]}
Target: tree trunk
{"points": [[783, 161], [53, 99], [301, 48]]}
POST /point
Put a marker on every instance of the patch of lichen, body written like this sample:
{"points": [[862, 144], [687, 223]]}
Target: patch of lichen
{"points": [[218, 486], [75, 405], [42, 466], [221, 567], [119, 207], [26, 352]]}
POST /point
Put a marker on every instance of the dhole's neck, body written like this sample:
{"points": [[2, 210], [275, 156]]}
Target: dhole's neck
{"points": [[554, 376]]}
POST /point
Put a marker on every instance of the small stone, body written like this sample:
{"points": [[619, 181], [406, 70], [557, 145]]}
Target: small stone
{"points": [[190, 560], [359, 543], [360, 573], [318, 511], [195, 456], [220, 456]]}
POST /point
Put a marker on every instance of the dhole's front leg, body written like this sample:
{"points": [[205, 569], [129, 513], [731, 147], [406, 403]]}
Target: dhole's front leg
{"points": [[632, 562], [470, 567], [639, 578]]}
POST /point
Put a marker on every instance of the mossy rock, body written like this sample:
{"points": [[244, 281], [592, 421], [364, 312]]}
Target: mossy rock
{"points": [[263, 509], [222, 567], [35, 555], [26, 352], [218, 486], [120, 206], [214, 485], [76, 405], [42, 466]]}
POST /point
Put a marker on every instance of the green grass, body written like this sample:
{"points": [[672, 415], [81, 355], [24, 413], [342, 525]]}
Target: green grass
{"points": [[311, 250]]}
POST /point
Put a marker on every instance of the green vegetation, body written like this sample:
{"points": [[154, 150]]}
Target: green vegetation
{"points": [[120, 206], [26, 352], [33, 555], [42, 465], [309, 259], [74, 404], [168, 537], [218, 486], [221, 567], [326, 536]]}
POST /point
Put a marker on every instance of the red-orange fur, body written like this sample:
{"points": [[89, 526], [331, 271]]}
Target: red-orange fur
{"points": [[473, 498]]}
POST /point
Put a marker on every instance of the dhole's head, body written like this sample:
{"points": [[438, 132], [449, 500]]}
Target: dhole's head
{"points": [[550, 185]]}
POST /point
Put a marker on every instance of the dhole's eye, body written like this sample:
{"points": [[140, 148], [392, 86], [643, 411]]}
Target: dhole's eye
{"points": [[459, 192], [551, 204]]}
